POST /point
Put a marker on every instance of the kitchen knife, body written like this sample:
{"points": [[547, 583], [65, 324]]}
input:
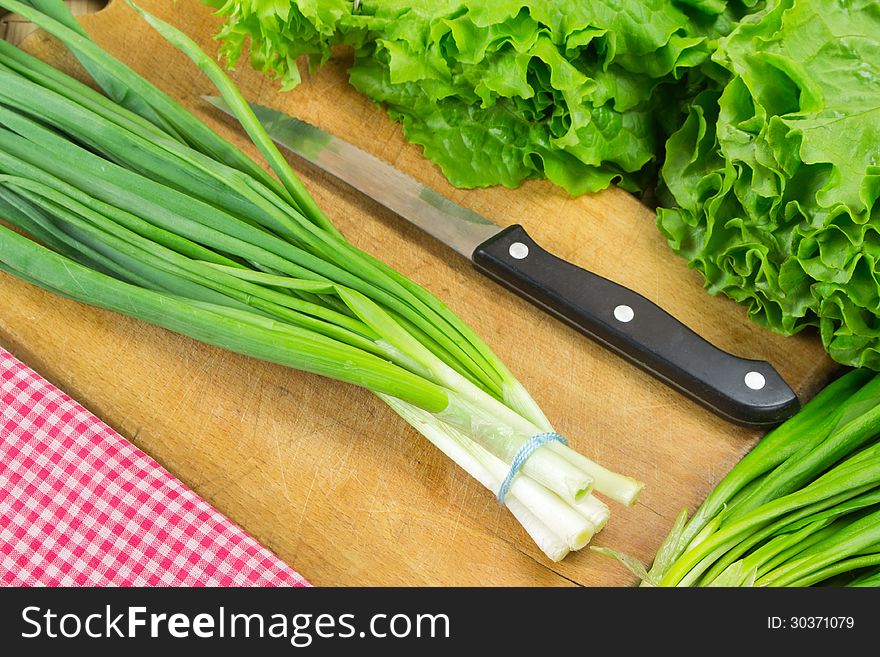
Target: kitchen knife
{"points": [[748, 392]]}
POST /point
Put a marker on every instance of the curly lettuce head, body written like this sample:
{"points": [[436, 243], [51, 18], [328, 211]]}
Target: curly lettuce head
{"points": [[497, 92], [773, 180]]}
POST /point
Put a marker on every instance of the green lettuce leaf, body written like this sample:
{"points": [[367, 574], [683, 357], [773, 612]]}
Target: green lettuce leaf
{"points": [[582, 93], [772, 180]]}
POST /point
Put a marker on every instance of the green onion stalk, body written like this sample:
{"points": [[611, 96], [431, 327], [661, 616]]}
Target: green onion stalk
{"points": [[127, 201], [802, 508]]}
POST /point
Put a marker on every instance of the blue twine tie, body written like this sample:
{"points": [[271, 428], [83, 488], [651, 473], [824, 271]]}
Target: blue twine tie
{"points": [[522, 455]]}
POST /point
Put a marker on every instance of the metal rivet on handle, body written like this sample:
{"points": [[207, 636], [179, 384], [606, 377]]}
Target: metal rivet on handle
{"points": [[624, 313], [518, 250], [755, 380]]}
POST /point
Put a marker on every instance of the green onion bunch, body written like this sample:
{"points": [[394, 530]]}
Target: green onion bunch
{"points": [[129, 202], [802, 508]]}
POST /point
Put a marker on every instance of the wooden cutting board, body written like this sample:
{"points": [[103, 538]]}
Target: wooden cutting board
{"points": [[323, 473]]}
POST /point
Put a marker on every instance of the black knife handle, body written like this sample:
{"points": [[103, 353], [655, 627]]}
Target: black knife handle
{"points": [[748, 392]]}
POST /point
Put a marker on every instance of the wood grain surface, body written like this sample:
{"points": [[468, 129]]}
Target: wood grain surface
{"points": [[323, 473]]}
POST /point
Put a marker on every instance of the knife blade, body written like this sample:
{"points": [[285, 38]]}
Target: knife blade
{"points": [[744, 391]]}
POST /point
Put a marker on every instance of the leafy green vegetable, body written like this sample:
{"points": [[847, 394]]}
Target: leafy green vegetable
{"points": [[772, 182], [579, 92], [135, 205], [799, 509], [770, 175]]}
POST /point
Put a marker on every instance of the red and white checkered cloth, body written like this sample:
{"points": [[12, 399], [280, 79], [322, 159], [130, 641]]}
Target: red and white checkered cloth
{"points": [[82, 506]]}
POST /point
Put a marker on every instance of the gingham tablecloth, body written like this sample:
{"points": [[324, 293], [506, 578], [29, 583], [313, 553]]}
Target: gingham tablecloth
{"points": [[82, 506]]}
